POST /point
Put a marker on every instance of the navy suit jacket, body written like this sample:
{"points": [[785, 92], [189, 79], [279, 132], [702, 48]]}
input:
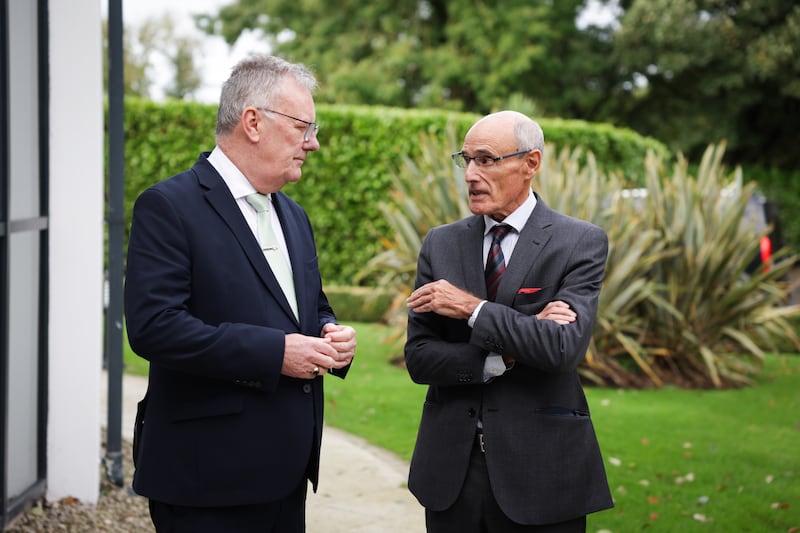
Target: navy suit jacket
{"points": [[219, 424], [542, 454]]}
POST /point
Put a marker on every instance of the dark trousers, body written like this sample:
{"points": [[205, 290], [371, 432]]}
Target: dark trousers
{"points": [[476, 510], [283, 516]]}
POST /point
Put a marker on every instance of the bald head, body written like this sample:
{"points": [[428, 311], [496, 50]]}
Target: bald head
{"points": [[522, 131], [503, 153]]}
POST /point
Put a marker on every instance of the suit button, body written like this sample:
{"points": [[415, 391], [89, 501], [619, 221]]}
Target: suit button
{"points": [[307, 388], [471, 412]]}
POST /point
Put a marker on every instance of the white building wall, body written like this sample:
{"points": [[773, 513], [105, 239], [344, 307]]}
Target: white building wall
{"points": [[76, 249]]}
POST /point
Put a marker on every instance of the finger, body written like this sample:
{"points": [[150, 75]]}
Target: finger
{"points": [[324, 347], [322, 361], [341, 364], [338, 336], [316, 371]]}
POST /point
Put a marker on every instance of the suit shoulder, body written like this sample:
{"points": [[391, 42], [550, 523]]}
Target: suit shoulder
{"points": [[286, 200], [576, 223], [456, 227], [177, 184]]}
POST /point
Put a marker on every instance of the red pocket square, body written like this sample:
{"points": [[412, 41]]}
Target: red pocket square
{"points": [[529, 290]]}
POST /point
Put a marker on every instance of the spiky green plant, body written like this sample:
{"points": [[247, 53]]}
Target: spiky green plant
{"points": [[428, 191], [712, 320], [677, 306]]}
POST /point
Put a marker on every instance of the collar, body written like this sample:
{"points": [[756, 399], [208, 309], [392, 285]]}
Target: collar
{"points": [[517, 219], [237, 183]]}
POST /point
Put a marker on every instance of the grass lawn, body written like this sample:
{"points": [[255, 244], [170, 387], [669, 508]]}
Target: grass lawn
{"points": [[682, 461]]}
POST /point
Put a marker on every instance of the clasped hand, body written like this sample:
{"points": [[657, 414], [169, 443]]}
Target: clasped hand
{"points": [[303, 354]]}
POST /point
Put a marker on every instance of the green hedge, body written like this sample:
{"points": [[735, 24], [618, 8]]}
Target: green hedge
{"points": [[342, 185], [360, 304]]}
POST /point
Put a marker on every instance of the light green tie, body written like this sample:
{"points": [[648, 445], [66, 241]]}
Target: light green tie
{"points": [[269, 245]]}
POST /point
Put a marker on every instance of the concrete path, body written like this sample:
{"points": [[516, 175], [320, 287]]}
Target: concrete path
{"points": [[362, 488]]}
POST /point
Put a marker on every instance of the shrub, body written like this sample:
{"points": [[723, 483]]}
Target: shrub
{"points": [[677, 304]]}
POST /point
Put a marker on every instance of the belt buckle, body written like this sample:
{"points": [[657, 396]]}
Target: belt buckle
{"points": [[480, 442]]}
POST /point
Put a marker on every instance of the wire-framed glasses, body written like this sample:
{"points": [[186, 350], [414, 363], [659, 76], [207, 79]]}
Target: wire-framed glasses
{"points": [[462, 160], [313, 127]]}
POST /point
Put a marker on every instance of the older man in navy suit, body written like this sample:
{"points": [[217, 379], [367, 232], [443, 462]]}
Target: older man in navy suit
{"points": [[224, 299], [501, 316]]}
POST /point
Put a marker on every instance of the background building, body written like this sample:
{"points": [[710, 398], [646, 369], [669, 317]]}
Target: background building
{"points": [[51, 250]]}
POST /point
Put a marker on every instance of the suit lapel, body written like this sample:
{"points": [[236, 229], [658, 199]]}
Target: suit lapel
{"points": [[219, 197], [472, 264], [534, 236]]}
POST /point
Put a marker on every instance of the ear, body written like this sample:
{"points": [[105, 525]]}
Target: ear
{"points": [[534, 161], [252, 123]]}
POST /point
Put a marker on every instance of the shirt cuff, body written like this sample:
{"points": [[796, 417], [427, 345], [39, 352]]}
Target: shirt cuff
{"points": [[493, 367], [474, 316]]}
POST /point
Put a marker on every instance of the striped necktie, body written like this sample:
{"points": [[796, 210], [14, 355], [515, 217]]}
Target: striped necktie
{"points": [[495, 262]]}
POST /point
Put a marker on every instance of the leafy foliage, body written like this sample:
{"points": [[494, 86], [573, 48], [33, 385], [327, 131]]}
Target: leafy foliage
{"points": [[701, 70], [156, 37], [451, 54], [677, 305]]}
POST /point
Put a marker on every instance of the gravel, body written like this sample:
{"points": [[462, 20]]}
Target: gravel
{"points": [[118, 510]]}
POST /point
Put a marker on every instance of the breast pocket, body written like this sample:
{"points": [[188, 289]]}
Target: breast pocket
{"points": [[531, 300]]}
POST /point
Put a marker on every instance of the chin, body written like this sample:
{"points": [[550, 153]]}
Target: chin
{"points": [[477, 209]]}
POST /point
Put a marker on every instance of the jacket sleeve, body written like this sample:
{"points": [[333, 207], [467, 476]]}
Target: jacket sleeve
{"points": [[163, 322], [579, 261], [437, 350]]}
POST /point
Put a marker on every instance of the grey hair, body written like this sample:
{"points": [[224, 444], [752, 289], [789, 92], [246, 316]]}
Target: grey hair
{"points": [[256, 81], [529, 134]]}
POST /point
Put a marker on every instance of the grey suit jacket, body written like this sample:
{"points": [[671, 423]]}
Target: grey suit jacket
{"points": [[542, 454]]}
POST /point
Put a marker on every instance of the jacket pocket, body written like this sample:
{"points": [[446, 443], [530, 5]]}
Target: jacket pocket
{"points": [[138, 427], [208, 406], [556, 410]]}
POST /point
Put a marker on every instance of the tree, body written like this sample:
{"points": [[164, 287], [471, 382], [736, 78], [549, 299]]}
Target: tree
{"points": [[452, 54], [157, 39], [700, 71]]}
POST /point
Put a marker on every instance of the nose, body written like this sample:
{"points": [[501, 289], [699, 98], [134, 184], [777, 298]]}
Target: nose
{"points": [[471, 173], [312, 144]]}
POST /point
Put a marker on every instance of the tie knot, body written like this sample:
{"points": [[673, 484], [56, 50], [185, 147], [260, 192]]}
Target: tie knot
{"points": [[500, 231], [260, 202]]}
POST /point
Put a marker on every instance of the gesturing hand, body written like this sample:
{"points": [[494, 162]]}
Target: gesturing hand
{"points": [[443, 298]]}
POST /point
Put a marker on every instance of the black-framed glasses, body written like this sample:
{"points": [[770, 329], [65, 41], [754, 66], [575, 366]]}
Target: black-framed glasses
{"points": [[312, 126], [462, 160]]}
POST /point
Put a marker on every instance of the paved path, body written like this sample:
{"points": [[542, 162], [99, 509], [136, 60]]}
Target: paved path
{"points": [[362, 488]]}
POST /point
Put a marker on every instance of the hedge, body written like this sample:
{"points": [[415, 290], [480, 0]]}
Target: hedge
{"points": [[343, 183]]}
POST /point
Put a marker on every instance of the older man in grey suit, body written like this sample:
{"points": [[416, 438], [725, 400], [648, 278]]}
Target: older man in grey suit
{"points": [[506, 443]]}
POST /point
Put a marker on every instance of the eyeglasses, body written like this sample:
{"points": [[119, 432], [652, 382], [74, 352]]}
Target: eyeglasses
{"points": [[312, 126], [462, 160]]}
